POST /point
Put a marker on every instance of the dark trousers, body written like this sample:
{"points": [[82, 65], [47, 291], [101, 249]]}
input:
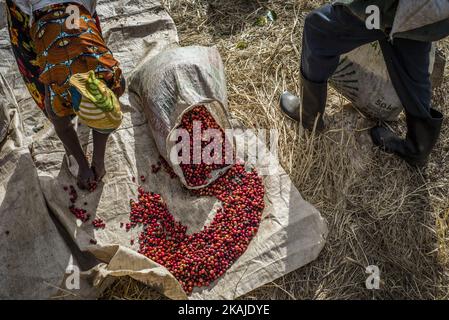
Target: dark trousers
{"points": [[333, 30]]}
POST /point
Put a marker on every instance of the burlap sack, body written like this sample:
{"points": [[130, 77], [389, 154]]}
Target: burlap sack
{"points": [[362, 77], [174, 82]]}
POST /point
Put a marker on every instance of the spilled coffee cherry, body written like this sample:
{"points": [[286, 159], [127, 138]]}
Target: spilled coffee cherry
{"points": [[197, 175], [73, 194], [155, 168], [198, 259], [80, 214], [92, 186], [167, 168], [99, 223]]}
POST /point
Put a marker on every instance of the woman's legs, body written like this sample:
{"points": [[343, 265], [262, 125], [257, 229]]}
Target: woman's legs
{"points": [[101, 139], [67, 134], [98, 166]]}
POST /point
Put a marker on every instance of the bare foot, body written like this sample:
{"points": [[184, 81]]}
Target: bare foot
{"points": [[99, 172], [85, 178]]}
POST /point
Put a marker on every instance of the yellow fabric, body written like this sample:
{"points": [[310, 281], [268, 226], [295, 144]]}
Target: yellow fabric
{"points": [[99, 108]]}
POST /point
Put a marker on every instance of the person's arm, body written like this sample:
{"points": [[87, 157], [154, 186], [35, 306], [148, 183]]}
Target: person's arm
{"points": [[120, 90]]}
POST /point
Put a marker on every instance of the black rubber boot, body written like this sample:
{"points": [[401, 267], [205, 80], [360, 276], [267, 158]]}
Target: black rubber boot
{"points": [[308, 106], [422, 135]]}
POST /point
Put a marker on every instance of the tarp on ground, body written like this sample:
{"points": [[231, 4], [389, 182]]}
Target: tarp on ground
{"points": [[36, 262], [292, 232]]}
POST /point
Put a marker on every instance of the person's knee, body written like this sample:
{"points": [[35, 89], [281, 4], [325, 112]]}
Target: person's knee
{"points": [[316, 19], [62, 125], [315, 34], [310, 21]]}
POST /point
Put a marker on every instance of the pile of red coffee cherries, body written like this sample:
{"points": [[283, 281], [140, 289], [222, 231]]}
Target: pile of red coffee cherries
{"points": [[199, 174], [79, 213], [198, 259], [99, 223]]}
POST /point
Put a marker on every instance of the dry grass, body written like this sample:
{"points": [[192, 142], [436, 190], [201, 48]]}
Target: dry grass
{"points": [[379, 211]]}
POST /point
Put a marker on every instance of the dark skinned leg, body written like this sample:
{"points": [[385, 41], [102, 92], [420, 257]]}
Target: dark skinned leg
{"points": [[67, 134], [65, 131], [100, 141]]}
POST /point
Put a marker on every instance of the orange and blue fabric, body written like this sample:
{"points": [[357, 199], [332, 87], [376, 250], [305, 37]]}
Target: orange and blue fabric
{"points": [[50, 52], [63, 52], [25, 52]]}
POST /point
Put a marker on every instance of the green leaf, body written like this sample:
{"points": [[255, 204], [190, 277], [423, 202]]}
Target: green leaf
{"points": [[261, 21], [242, 45]]}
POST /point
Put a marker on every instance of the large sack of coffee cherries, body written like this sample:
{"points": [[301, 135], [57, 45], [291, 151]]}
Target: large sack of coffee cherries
{"points": [[170, 86], [223, 240]]}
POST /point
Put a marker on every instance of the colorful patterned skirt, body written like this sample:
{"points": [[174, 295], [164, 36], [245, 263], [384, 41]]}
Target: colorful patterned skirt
{"points": [[24, 52], [52, 50]]}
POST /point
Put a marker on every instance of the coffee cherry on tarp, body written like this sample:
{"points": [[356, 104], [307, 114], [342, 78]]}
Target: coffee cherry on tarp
{"points": [[73, 194], [155, 168], [80, 214], [198, 259], [99, 223], [167, 168], [92, 186]]}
